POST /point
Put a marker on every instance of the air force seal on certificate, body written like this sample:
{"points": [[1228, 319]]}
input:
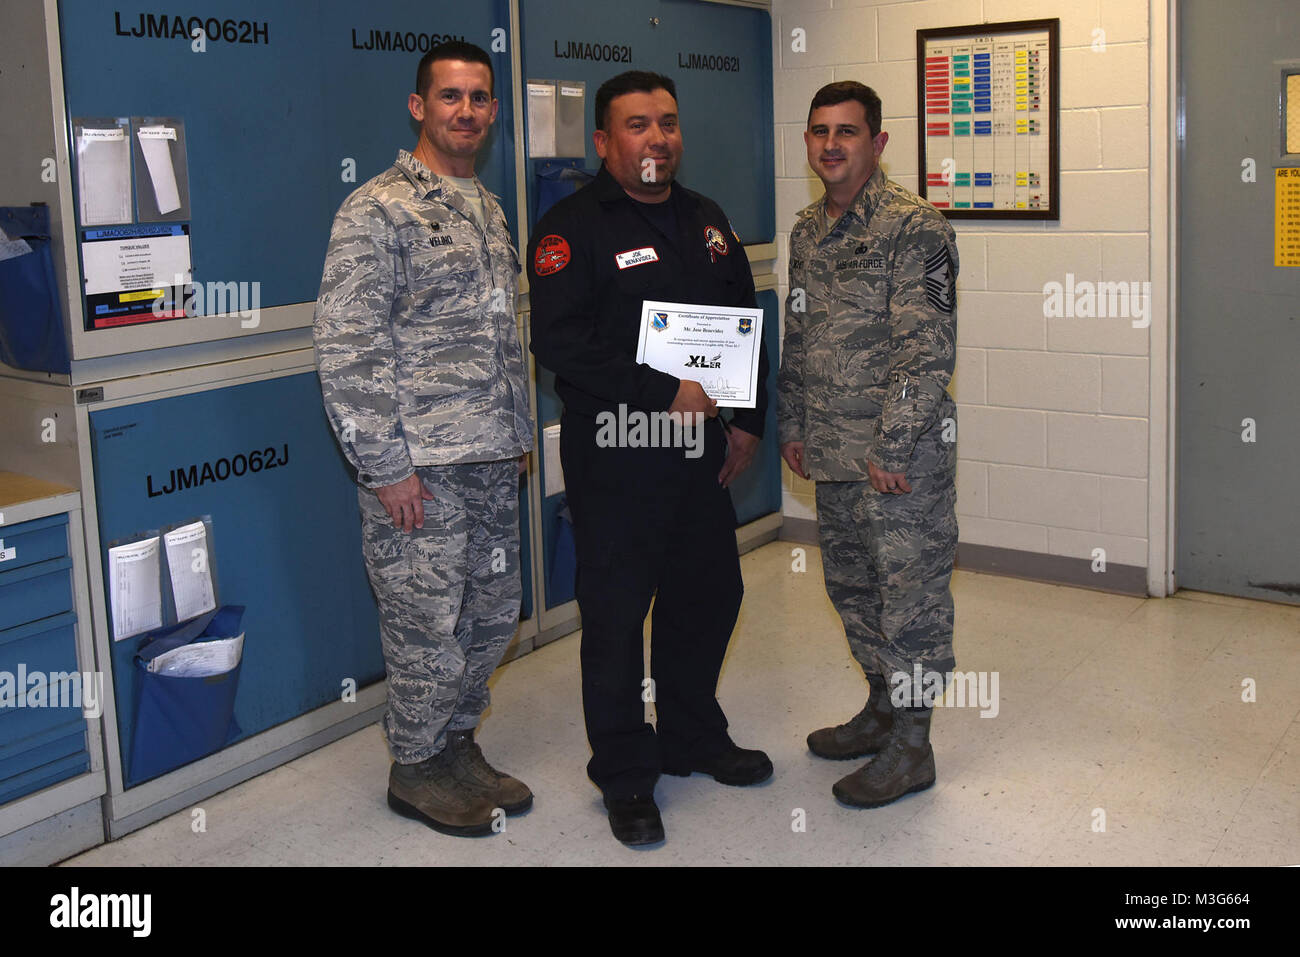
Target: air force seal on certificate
{"points": [[745, 325], [659, 321]]}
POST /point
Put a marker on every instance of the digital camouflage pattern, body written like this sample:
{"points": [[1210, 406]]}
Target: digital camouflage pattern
{"points": [[422, 372], [448, 599], [864, 372], [865, 363], [415, 330], [887, 560]]}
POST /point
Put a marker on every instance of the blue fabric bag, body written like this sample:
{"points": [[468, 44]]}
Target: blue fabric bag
{"points": [[179, 720], [32, 336], [557, 179], [562, 582]]}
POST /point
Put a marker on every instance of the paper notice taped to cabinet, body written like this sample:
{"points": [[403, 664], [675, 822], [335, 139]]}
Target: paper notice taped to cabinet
{"points": [[134, 590], [191, 575]]}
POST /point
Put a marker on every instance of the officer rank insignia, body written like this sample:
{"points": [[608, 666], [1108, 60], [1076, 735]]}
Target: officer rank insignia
{"points": [[659, 320], [939, 281], [746, 325], [552, 255], [716, 242]]}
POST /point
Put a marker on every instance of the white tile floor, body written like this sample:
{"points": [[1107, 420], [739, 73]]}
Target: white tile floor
{"points": [[1112, 710]]}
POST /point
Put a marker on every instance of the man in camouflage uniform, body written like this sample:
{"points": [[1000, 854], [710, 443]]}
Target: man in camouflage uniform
{"points": [[870, 342], [425, 385]]}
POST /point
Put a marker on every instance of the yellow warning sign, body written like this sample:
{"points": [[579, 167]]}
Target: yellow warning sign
{"points": [[1286, 222]]}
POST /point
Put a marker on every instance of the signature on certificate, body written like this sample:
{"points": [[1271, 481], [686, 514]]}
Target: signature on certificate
{"points": [[719, 386]]}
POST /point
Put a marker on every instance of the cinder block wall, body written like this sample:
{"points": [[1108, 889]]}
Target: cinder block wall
{"points": [[1053, 412]]}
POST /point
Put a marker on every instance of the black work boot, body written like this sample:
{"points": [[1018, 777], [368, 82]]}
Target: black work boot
{"points": [[635, 820], [865, 733], [734, 765], [905, 764], [509, 794], [433, 792]]}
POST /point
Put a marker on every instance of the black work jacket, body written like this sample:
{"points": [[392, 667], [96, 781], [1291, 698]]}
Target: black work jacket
{"points": [[586, 311]]}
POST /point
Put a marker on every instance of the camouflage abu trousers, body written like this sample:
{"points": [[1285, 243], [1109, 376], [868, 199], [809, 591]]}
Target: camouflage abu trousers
{"points": [[448, 596], [887, 560]]}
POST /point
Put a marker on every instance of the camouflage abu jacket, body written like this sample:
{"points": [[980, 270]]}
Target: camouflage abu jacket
{"points": [[869, 349], [416, 343]]}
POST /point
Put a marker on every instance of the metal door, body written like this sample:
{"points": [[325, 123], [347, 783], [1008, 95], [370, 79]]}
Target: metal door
{"points": [[1238, 329]]}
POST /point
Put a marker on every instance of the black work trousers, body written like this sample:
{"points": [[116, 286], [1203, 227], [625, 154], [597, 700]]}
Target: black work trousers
{"points": [[650, 522]]}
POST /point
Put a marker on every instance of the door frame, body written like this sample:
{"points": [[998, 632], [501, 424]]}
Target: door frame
{"points": [[1162, 513]]}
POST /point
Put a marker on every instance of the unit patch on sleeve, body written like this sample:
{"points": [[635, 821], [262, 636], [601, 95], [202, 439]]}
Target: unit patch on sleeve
{"points": [[940, 284], [552, 255], [715, 240]]}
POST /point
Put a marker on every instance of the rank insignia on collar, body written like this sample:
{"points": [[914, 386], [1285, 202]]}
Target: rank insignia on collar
{"points": [[715, 240]]}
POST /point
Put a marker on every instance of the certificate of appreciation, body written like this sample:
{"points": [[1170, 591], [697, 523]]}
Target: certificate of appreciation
{"points": [[717, 346]]}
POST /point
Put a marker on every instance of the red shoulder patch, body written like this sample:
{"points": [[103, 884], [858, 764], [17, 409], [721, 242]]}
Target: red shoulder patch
{"points": [[552, 255]]}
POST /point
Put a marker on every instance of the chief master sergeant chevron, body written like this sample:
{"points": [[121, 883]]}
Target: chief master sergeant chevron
{"points": [[424, 383], [869, 347]]}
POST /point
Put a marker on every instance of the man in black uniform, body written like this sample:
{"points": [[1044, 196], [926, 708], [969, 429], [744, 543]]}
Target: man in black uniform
{"points": [[645, 520]]}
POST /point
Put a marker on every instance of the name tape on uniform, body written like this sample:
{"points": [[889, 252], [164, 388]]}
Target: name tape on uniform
{"points": [[636, 257]]}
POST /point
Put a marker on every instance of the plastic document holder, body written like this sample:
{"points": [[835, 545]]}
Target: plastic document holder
{"points": [[31, 323], [179, 719]]}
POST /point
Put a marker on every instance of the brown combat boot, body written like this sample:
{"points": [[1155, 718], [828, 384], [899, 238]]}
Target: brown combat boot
{"points": [[509, 794], [865, 733], [904, 765], [435, 793]]}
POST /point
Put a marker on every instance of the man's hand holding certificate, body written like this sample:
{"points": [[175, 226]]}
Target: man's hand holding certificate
{"points": [[716, 346]]}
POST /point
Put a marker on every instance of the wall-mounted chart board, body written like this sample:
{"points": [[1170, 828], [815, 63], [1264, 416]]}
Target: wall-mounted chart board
{"points": [[987, 107]]}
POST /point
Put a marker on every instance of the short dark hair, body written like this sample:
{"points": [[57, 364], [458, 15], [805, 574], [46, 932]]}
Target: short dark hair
{"points": [[843, 91], [633, 81], [451, 50]]}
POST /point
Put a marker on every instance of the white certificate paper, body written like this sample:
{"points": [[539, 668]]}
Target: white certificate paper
{"points": [[717, 346]]}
